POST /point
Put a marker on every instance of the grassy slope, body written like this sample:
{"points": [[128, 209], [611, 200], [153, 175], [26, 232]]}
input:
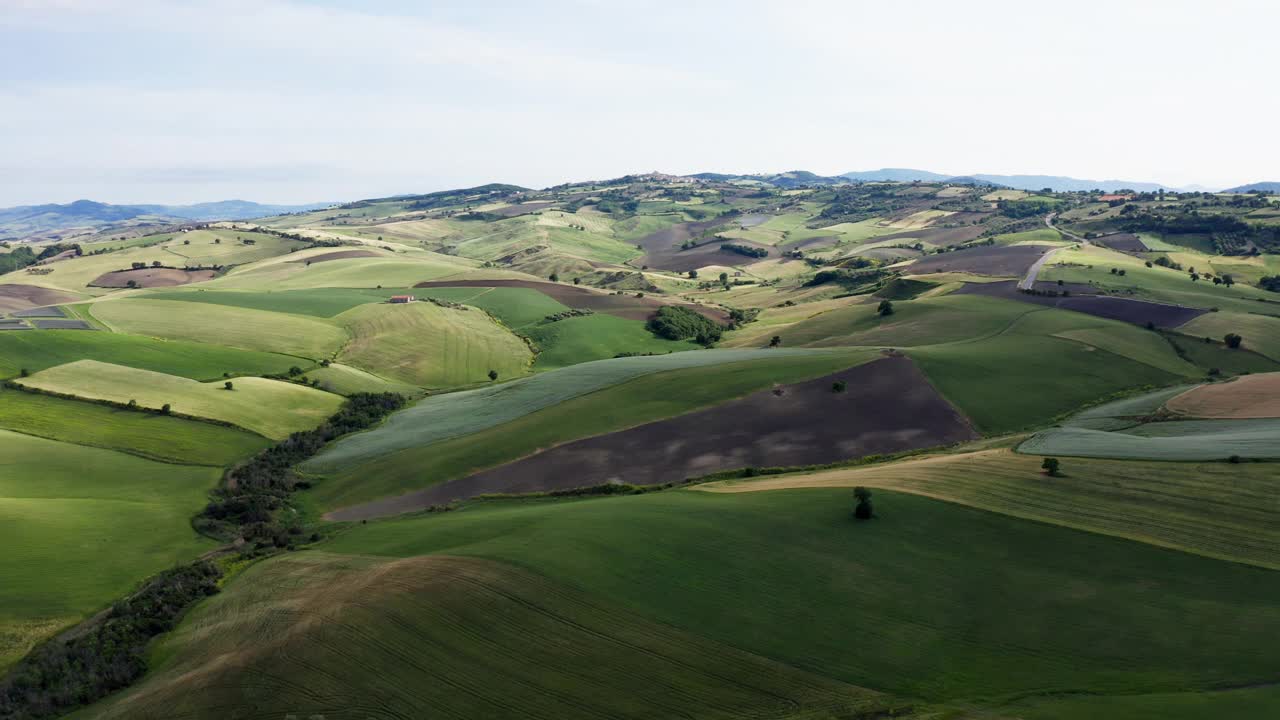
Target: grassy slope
{"points": [[425, 344], [271, 408], [1041, 376], [1182, 440], [1094, 264], [80, 527], [223, 325], [345, 380], [1223, 511], [595, 337], [455, 414], [916, 322], [456, 638], [900, 604], [37, 350], [1261, 334], [638, 401], [394, 272], [154, 436]]}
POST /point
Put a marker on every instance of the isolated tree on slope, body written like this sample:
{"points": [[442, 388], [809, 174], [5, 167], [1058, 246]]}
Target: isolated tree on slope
{"points": [[885, 308], [864, 509]]}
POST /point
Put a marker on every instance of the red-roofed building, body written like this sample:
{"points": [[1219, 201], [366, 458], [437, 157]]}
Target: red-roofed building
{"points": [[402, 299]]}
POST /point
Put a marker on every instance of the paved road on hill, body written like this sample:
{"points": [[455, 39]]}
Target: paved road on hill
{"points": [[1028, 281]]}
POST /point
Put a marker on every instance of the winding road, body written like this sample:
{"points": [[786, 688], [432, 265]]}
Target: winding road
{"points": [[1028, 281]]}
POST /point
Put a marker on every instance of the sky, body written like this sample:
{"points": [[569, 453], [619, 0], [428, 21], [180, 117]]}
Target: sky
{"points": [[289, 101]]}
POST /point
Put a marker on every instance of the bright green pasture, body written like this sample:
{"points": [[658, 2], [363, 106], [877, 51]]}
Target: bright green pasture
{"points": [[271, 408], [82, 526], [595, 337], [425, 344], [39, 349], [634, 402], [930, 600], [155, 436], [223, 325]]}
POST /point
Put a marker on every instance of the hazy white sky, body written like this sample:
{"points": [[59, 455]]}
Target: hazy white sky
{"points": [[291, 101]]}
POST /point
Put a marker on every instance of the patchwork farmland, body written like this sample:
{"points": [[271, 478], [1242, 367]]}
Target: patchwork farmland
{"points": [[605, 443]]}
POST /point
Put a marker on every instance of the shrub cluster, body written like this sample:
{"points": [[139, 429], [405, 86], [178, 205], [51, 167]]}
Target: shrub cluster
{"points": [[747, 250], [674, 322], [570, 313]]}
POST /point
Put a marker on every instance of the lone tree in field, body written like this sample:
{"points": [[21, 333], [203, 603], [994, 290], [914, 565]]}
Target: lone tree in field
{"points": [[838, 386], [493, 374], [165, 409], [885, 308], [1050, 467], [864, 509], [693, 274], [228, 385], [775, 341], [555, 277], [1232, 340]]}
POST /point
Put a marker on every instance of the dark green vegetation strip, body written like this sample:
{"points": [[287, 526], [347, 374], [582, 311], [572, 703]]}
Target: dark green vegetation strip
{"points": [[635, 402], [151, 435], [34, 351], [70, 672], [1017, 608], [107, 653]]}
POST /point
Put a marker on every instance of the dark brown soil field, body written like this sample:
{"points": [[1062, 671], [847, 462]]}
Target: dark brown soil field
{"points": [[1139, 312], [814, 242], [50, 311], [1124, 242], [625, 306], [525, 209], [1012, 261], [888, 406], [662, 249], [939, 237], [151, 277], [22, 297], [337, 255], [62, 324]]}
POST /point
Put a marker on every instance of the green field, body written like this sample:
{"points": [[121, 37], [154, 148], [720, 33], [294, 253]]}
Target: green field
{"points": [[1093, 265], [271, 408], [346, 380], [1261, 333], [215, 324], [310, 635], [1158, 503], [896, 605], [1039, 378], [445, 416], [391, 272], [425, 344], [927, 321], [634, 402], [82, 526], [1180, 440], [317, 302], [38, 350], [595, 337], [158, 437]]}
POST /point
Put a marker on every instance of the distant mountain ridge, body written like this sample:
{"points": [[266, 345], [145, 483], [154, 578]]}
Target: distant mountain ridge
{"points": [[27, 220], [1255, 187], [1058, 183]]}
